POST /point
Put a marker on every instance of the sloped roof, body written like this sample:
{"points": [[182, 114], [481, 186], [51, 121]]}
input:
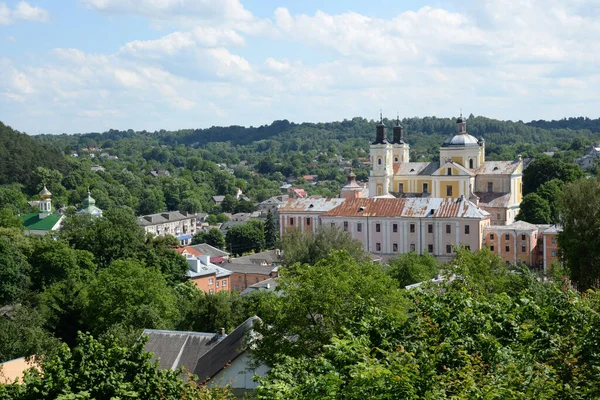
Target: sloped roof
{"points": [[408, 207], [33, 222], [498, 167], [311, 205], [267, 285], [416, 168], [224, 352], [174, 349], [160, 218], [493, 199], [209, 250], [248, 268], [269, 256], [515, 226]]}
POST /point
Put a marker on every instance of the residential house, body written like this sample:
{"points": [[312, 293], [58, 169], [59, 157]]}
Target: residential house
{"points": [[207, 276], [272, 204], [253, 268], [267, 285], [216, 359], [180, 224], [97, 168], [218, 199], [160, 174]]}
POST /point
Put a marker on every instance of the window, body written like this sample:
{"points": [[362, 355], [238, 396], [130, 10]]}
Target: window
{"points": [[211, 281], [239, 277], [448, 228], [471, 163], [430, 228], [467, 229], [291, 221], [359, 227], [401, 187], [379, 161], [492, 248], [345, 226], [395, 247], [523, 249], [449, 171], [211, 291], [395, 159], [395, 228], [412, 247], [378, 246], [523, 237], [507, 237], [224, 283], [426, 188], [553, 253], [553, 239], [412, 228], [217, 284], [490, 186], [491, 236], [333, 224], [377, 227], [430, 248], [256, 279], [468, 247], [308, 221], [507, 248], [448, 190], [448, 248]]}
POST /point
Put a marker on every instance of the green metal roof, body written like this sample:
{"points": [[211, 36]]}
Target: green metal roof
{"points": [[33, 222]]}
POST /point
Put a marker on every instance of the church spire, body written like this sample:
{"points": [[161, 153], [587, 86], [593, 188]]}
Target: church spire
{"points": [[398, 132], [380, 137]]}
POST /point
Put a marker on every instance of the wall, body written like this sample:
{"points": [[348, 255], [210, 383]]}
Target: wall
{"points": [[203, 283]]}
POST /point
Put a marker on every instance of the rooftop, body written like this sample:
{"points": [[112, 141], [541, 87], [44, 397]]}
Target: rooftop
{"points": [[161, 218], [498, 167], [32, 221], [310, 205]]}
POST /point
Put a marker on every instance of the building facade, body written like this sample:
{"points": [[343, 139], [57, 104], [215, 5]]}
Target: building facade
{"points": [[207, 276], [495, 186], [180, 224]]}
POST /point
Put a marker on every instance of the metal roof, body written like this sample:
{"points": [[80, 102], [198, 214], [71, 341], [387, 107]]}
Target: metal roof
{"points": [[493, 199], [174, 349], [515, 226], [409, 207], [161, 218], [310, 205], [416, 168], [498, 167], [461, 140]]}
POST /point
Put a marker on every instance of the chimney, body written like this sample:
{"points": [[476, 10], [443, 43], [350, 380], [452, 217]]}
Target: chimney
{"points": [[222, 331], [204, 259]]}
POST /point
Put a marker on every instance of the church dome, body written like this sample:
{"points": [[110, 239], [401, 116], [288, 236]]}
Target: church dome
{"points": [[461, 140], [45, 194]]}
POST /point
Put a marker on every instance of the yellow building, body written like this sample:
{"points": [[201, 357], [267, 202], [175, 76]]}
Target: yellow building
{"points": [[461, 172]]}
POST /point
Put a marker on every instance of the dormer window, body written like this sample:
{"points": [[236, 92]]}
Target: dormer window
{"points": [[449, 171], [412, 170], [495, 168]]}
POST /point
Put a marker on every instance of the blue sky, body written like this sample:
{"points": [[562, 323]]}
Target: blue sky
{"points": [[92, 65]]}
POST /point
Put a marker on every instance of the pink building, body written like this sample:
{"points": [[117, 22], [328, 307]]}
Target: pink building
{"points": [[390, 226]]}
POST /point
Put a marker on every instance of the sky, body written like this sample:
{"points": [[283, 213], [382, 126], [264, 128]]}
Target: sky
{"points": [[74, 66]]}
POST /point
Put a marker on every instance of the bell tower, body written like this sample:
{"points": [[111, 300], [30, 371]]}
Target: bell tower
{"points": [[45, 203], [382, 168], [401, 149]]}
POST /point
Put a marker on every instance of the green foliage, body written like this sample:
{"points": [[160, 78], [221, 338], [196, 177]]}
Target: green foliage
{"points": [[534, 209], [14, 272], [9, 218], [271, 234], [579, 241], [128, 293], [308, 247], [321, 300], [106, 370], [213, 237], [249, 237], [544, 169], [412, 268]]}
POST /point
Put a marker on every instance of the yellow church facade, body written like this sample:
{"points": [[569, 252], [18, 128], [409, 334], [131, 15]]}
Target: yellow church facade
{"points": [[495, 186]]}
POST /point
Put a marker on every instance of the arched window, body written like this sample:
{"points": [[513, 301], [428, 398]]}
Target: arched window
{"points": [[379, 161], [471, 163], [396, 159]]}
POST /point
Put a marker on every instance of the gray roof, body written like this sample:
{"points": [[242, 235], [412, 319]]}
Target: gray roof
{"points": [[493, 199], [209, 250], [199, 268], [161, 218], [515, 226], [266, 285], [250, 268], [416, 168], [498, 167], [224, 352], [269, 256], [461, 140], [174, 349], [218, 199], [310, 204]]}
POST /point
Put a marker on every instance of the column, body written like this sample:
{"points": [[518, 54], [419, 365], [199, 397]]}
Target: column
{"points": [[457, 233], [515, 249]]}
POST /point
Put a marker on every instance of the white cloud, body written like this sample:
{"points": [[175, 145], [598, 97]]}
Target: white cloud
{"points": [[22, 12], [277, 66]]}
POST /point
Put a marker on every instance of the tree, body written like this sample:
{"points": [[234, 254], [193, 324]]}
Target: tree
{"points": [[306, 247], [545, 169], [106, 370], [152, 200], [271, 234], [9, 218], [128, 293], [229, 204], [552, 192], [14, 272], [246, 238], [320, 301], [579, 241], [412, 268], [213, 237], [534, 209]]}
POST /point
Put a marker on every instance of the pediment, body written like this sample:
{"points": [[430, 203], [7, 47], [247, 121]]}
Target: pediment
{"points": [[457, 170]]}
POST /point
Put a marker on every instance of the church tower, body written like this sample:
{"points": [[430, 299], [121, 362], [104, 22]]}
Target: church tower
{"points": [[463, 148], [382, 169], [45, 203], [401, 148]]}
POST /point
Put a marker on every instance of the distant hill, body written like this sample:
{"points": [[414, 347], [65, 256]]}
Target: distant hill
{"points": [[21, 154], [593, 125]]}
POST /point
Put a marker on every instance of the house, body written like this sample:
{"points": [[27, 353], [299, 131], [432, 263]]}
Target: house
{"points": [[253, 268], [310, 178], [45, 220], [296, 193], [207, 276], [209, 250], [13, 370], [218, 199], [216, 256], [97, 168], [272, 204], [180, 224], [216, 359], [160, 173], [591, 157], [304, 212], [268, 285]]}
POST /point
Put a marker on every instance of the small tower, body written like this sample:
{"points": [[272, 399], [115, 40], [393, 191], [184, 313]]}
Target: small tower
{"points": [[461, 125], [382, 169], [89, 206], [45, 203], [352, 189], [401, 149]]}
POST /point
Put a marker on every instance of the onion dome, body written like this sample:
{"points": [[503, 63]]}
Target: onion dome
{"points": [[45, 194]]}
